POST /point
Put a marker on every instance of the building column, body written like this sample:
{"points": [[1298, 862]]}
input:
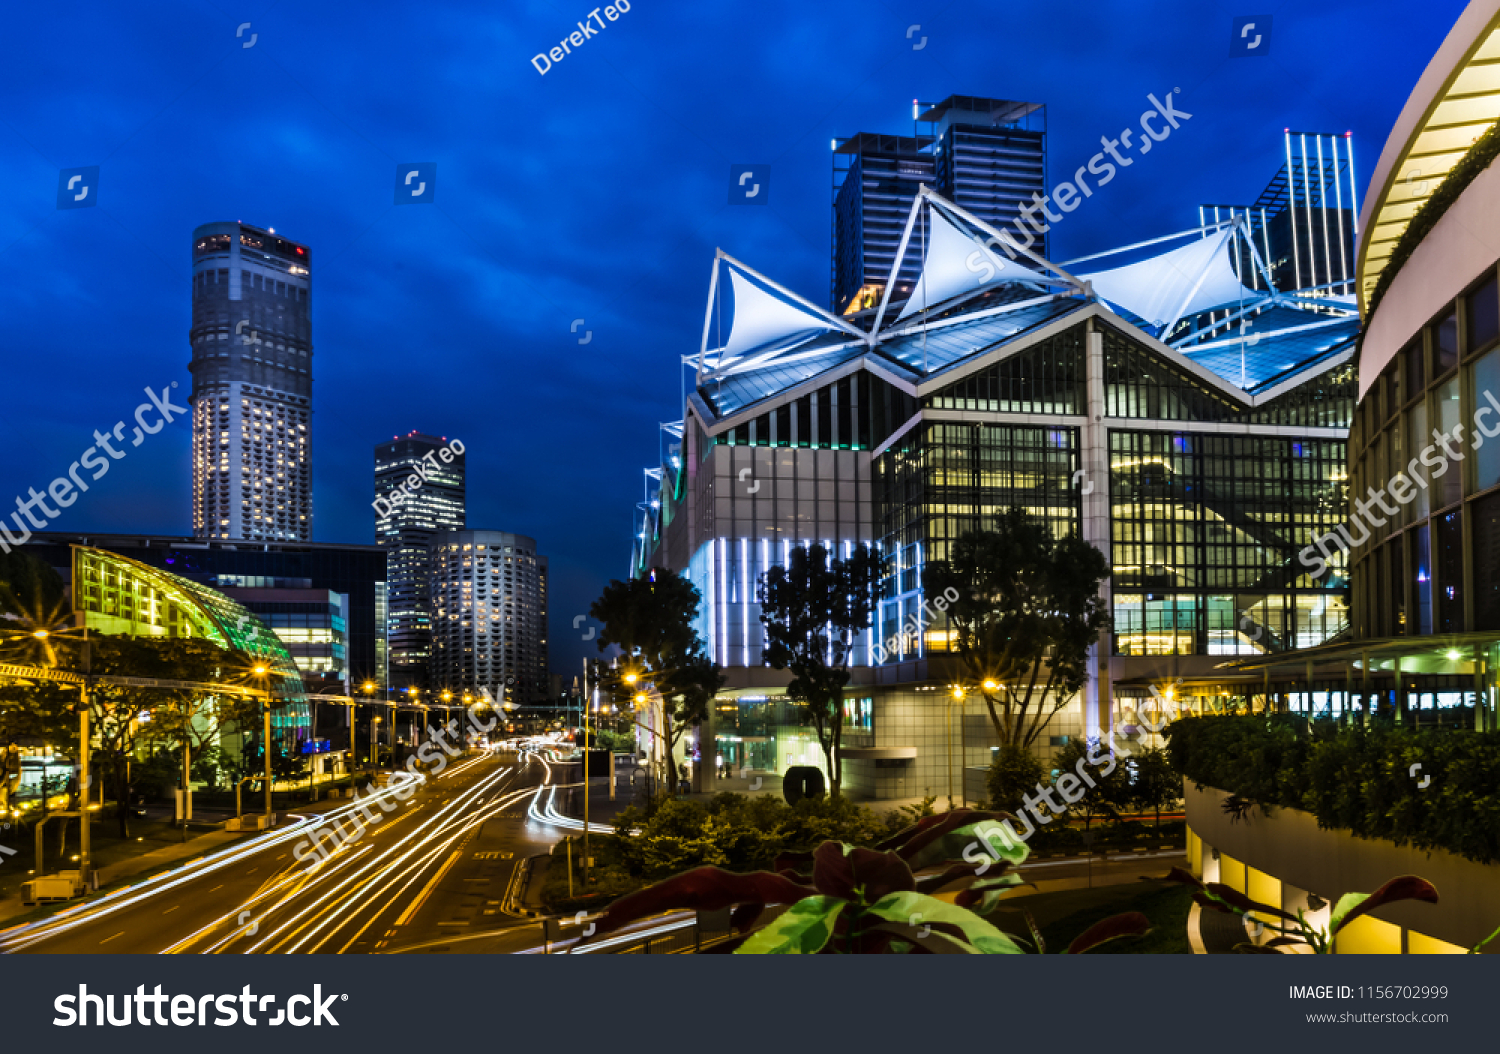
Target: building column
{"points": [[1094, 489], [706, 771]]}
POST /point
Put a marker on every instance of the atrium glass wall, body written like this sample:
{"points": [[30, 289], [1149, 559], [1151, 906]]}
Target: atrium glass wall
{"points": [[944, 479], [1206, 535]]}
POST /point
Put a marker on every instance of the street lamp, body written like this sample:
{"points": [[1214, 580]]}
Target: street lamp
{"points": [[260, 671], [369, 689], [956, 695], [959, 694]]}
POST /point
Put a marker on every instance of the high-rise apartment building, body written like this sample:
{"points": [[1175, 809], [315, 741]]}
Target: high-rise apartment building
{"points": [[987, 155], [419, 491], [251, 340], [489, 614]]}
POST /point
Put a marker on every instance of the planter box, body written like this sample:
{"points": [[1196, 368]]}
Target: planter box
{"points": [[1288, 845]]}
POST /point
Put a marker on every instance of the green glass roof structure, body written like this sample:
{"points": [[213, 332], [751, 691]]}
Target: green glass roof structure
{"points": [[118, 595]]}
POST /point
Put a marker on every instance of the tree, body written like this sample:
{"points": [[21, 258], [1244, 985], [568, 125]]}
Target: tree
{"points": [[1014, 773], [1112, 789], [651, 620], [1156, 782], [1027, 612], [813, 610], [127, 720]]}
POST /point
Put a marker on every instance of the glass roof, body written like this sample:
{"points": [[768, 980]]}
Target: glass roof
{"points": [[121, 595], [1272, 358]]}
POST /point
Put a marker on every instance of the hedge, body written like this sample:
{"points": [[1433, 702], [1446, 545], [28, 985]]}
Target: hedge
{"points": [[1354, 777]]}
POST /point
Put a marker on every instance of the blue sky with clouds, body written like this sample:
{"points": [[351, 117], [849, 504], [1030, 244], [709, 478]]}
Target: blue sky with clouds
{"points": [[598, 191]]}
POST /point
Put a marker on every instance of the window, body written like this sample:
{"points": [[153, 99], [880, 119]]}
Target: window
{"points": [[1483, 315], [1415, 379], [1449, 488], [1445, 344], [1486, 387]]}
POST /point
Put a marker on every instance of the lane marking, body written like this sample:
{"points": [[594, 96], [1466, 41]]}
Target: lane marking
{"points": [[173, 908], [427, 889], [106, 940]]}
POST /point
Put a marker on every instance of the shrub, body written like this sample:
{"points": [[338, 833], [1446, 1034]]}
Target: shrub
{"points": [[1014, 773], [1354, 777]]}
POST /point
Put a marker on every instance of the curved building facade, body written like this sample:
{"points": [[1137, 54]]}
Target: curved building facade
{"points": [[1423, 528], [117, 595]]}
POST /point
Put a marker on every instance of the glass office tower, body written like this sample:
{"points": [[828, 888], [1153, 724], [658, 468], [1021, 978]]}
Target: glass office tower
{"points": [[418, 492]]}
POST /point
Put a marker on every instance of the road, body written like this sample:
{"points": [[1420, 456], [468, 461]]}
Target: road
{"points": [[433, 868], [396, 867]]}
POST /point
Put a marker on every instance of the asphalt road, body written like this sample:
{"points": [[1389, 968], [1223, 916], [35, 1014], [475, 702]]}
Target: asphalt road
{"points": [[358, 877]]}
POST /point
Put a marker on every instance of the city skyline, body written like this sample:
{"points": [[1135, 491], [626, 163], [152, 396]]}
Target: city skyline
{"points": [[448, 281]]}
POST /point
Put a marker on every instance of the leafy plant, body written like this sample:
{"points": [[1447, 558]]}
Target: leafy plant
{"points": [[845, 899], [1354, 777], [651, 619], [1014, 773], [1237, 807], [1295, 929], [1155, 782], [1113, 791]]}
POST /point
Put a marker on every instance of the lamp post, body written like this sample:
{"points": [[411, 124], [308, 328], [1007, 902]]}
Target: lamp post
{"points": [[956, 695], [369, 689], [261, 670], [959, 694], [85, 848]]}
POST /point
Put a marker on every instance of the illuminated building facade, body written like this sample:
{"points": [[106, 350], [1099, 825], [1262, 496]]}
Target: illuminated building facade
{"points": [[251, 340], [419, 491], [489, 615], [1188, 425], [340, 637], [117, 595]]}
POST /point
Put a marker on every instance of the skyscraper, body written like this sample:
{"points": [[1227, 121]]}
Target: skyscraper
{"points": [[987, 155], [1304, 223], [251, 362], [419, 491], [489, 614]]}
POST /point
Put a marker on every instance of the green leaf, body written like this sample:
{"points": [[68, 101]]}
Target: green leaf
{"points": [[1404, 887], [917, 909], [929, 940], [803, 929]]}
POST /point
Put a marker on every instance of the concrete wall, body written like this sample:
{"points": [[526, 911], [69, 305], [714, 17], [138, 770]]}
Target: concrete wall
{"points": [[1287, 848]]}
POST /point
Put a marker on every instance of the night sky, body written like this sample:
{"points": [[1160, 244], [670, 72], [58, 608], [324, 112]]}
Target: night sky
{"points": [[597, 192]]}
